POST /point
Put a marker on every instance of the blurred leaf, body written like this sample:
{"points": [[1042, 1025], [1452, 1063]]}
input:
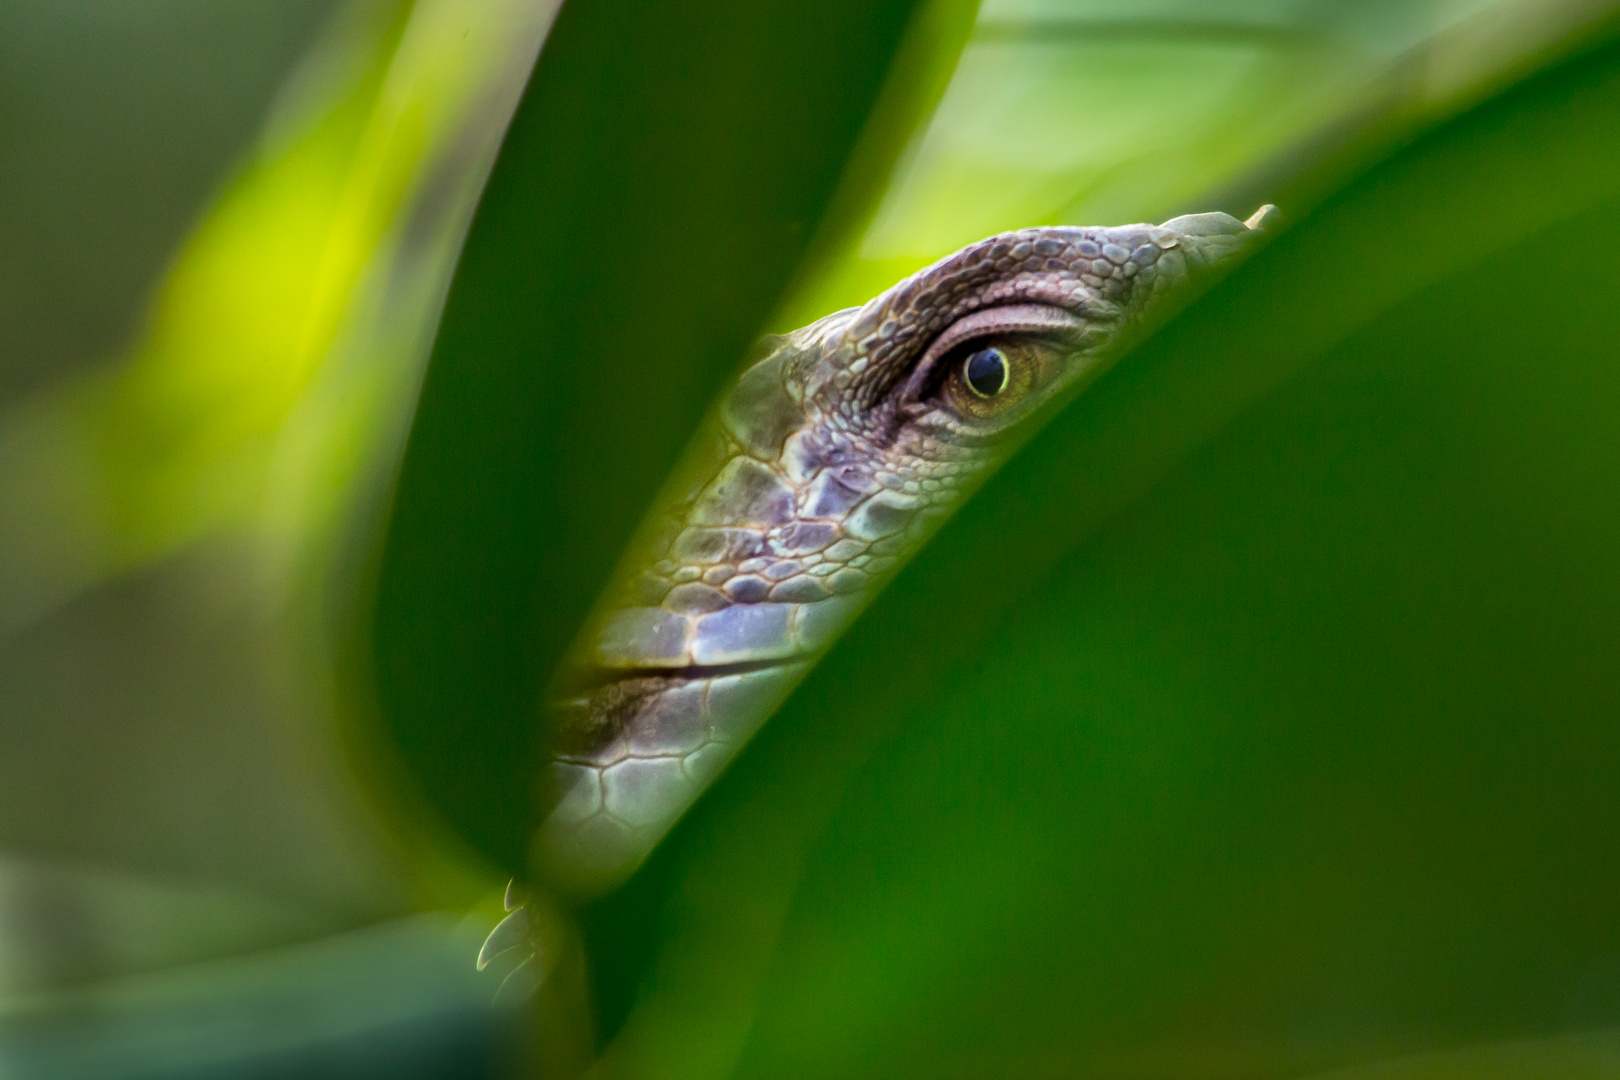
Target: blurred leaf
{"points": [[662, 180], [119, 119], [1084, 112], [397, 1000], [174, 525], [128, 464], [1265, 717]]}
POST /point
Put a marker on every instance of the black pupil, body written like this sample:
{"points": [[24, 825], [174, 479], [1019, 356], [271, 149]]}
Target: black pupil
{"points": [[986, 372]]}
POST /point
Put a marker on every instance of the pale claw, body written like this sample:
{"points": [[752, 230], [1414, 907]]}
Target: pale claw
{"points": [[521, 982], [1263, 218], [512, 932]]}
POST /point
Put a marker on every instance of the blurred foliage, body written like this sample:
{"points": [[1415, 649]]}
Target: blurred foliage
{"points": [[1263, 724], [1085, 111], [391, 1002], [118, 119], [178, 524]]}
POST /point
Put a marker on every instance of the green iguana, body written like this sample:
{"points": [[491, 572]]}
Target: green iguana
{"points": [[826, 464]]}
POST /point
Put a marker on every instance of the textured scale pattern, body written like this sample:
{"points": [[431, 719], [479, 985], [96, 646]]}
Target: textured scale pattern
{"points": [[827, 463]]}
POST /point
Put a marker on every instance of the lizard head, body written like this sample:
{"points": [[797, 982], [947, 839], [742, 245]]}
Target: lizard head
{"points": [[827, 463]]}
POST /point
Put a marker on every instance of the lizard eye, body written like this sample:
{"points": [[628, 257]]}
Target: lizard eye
{"points": [[985, 372], [991, 377], [987, 367]]}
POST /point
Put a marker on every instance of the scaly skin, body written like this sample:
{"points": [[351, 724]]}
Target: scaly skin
{"points": [[828, 462]]}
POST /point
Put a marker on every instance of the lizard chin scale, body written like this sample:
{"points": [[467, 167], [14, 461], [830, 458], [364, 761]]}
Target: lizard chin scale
{"points": [[607, 817], [744, 632]]}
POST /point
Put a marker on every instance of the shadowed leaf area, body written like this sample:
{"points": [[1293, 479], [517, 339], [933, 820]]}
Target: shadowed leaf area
{"points": [[1257, 719]]}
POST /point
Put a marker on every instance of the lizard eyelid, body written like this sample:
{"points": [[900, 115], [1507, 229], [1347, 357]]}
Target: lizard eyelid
{"points": [[1039, 319]]}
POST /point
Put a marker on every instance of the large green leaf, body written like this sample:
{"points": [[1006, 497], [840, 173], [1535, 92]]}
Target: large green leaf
{"points": [[1258, 718], [660, 182]]}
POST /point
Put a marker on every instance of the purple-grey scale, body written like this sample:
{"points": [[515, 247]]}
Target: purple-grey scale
{"points": [[804, 495]]}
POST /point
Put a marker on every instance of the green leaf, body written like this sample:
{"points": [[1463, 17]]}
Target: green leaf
{"points": [[664, 176], [1262, 720]]}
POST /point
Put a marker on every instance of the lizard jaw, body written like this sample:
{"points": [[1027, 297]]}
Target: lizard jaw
{"points": [[658, 738]]}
